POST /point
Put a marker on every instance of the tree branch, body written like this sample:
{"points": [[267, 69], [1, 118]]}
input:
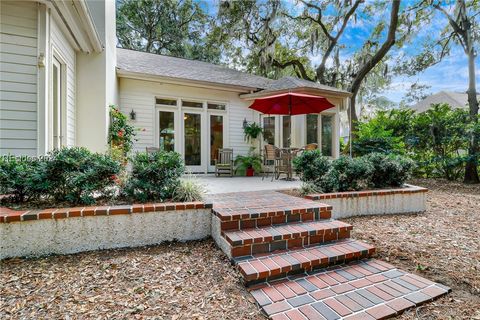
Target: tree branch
{"points": [[333, 42], [459, 31], [319, 19], [296, 64], [380, 54]]}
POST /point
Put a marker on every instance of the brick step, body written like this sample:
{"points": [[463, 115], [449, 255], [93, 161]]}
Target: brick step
{"points": [[261, 267], [246, 242], [247, 218], [367, 289]]}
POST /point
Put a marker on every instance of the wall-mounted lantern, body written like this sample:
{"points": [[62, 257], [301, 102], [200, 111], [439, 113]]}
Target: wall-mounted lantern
{"points": [[41, 60], [245, 123], [133, 115]]}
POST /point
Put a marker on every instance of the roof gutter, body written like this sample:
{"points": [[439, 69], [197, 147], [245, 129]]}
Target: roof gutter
{"points": [[90, 25], [78, 23]]}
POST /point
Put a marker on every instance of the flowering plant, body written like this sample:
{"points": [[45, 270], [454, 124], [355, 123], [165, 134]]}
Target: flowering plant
{"points": [[121, 134]]}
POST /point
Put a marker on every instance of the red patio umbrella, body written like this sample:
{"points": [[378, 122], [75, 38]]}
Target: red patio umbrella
{"points": [[291, 104]]}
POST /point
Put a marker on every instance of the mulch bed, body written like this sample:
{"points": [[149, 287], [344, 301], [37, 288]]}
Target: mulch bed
{"points": [[442, 244], [196, 281], [173, 281]]}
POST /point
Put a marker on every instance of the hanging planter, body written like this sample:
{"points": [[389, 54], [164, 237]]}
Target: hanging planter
{"points": [[252, 131]]}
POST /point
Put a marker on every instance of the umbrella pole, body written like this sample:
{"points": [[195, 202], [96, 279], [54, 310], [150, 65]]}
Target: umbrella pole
{"points": [[290, 123]]}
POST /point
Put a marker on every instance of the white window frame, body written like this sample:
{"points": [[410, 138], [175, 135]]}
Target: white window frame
{"points": [[61, 122], [334, 115], [334, 132], [179, 113]]}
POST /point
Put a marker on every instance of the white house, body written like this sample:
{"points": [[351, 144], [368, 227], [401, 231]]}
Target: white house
{"points": [[59, 71], [454, 99]]}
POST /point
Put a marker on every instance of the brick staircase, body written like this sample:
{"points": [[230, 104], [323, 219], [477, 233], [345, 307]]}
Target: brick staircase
{"points": [[301, 264]]}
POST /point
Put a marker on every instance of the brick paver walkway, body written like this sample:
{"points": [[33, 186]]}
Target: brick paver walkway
{"points": [[300, 264]]}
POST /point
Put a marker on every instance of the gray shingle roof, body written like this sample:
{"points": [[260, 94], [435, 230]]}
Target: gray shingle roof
{"points": [[454, 99], [171, 67], [194, 70], [287, 83]]}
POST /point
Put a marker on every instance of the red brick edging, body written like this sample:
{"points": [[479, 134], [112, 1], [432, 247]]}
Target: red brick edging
{"points": [[8, 215], [356, 194]]}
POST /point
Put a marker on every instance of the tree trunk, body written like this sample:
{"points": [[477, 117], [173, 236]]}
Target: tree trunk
{"points": [[371, 63], [471, 167], [353, 120]]}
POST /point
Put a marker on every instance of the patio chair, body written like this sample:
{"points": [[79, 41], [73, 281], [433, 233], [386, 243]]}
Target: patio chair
{"points": [[269, 160], [310, 146], [224, 162]]}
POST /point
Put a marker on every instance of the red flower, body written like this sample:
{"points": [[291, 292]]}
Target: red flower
{"points": [[120, 133]]}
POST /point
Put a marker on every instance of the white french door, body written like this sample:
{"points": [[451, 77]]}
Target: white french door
{"points": [[192, 128], [216, 136], [167, 124], [194, 144]]}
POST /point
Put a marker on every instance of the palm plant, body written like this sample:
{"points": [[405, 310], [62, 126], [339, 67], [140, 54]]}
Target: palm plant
{"points": [[250, 161]]}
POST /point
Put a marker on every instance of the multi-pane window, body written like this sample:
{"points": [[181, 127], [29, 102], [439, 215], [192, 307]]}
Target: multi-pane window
{"points": [[286, 131], [166, 102], [312, 128], [58, 122], [192, 104], [269, 130], [215, 106], [327, 135], [166, 130]]}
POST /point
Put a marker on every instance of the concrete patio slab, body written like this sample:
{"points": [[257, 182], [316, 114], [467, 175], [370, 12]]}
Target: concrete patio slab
{"points": [[215, 185]]}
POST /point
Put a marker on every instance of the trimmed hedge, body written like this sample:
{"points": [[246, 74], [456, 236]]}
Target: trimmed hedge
{"points": [[71, 175], [154, 176], [374, 170], [74, 176], [389, 170]]}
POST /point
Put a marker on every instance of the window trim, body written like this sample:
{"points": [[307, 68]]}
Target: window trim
{"points": [[57, 59], [332, 141]]}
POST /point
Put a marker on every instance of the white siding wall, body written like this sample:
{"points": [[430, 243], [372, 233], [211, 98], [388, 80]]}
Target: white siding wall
{"points": [[140, 96], [18, 78], [63, 48]]}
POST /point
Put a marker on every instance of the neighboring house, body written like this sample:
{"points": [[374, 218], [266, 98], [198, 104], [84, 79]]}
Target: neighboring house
{"points": [[60, 70], [454, 99]]}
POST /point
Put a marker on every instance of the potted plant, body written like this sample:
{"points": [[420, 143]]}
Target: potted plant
{"points": [[252, 131], [249, 164]]}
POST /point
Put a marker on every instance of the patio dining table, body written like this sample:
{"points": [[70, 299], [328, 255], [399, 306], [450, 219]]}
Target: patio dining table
{"points": [[284, 163]]}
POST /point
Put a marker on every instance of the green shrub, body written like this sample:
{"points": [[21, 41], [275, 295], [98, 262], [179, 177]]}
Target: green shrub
{"points": [[154, 176], [375, 136], [76, 175], [309, 188], [437, 139], [389, 170], [347, 174], [311, 165], [17, 178], [189, 189]]}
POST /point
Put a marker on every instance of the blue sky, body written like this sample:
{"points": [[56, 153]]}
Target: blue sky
{"points": [[451, 74]]}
